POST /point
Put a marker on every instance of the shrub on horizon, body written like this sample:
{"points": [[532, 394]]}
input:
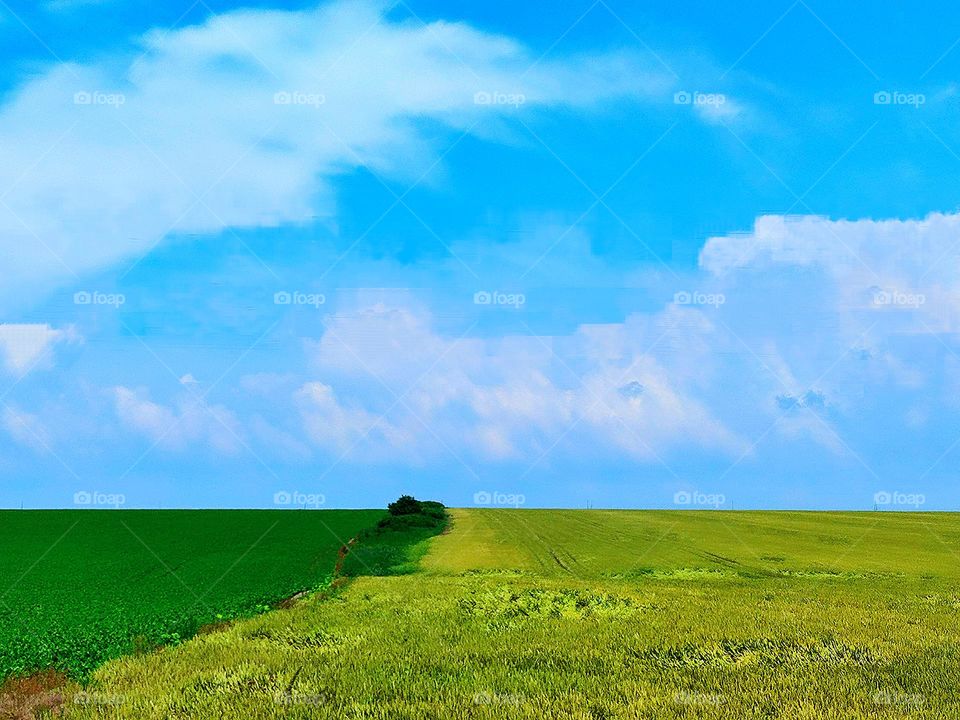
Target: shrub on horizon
{"points": [[405, 505]]}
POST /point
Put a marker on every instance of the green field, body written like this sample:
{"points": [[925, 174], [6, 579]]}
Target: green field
{"points": [[80, 587], [594, 614]]}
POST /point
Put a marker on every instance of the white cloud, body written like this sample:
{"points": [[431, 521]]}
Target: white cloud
{"points": [[384, 384], [847, 305], [497, 399], [24, 346], [720, 112], [341, 429], [796, 354], [104, 159], [836, 245], [903, 273], [26, 429], [176, 428]]}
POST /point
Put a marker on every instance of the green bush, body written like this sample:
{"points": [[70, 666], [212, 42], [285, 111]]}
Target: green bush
{"points": [[405, 505], [408, 513]]}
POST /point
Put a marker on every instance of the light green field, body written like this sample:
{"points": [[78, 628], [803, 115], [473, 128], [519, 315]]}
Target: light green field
{"points": [[596, 614], [606, 543]]}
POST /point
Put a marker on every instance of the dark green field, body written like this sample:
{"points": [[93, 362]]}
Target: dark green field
{"points": [[80, 587]]}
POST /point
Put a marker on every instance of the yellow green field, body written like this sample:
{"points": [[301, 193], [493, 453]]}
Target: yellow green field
{"points": [[595, 614]]}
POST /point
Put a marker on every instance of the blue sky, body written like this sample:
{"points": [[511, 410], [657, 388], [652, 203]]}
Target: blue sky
{"points": [[615, 254]]}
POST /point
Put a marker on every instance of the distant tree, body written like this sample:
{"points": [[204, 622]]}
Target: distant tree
{"points": [[405, 505]]}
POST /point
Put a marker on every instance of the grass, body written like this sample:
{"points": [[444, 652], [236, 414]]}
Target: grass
{"points": [[592, 614], [81, 587], [602, 543]]}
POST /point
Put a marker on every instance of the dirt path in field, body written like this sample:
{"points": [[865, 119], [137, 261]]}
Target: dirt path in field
{"points": [[23, 698], [341, 556], [335, 581]]}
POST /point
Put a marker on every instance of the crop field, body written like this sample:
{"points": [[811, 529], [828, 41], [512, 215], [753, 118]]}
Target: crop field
{"points": [[593, 614], [80, 587]]}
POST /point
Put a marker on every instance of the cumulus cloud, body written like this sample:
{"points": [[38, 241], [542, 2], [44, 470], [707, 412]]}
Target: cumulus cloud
{"points": [[244, 121], [177, 427], [836, 244], [800, 347], [905, 269], [839, 310], [902, 275], [24, 346], [795, 354], [420, 393], [339, 428]]}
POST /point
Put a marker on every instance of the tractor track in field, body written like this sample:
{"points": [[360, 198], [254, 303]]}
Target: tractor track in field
{"points": [[553, 551], [557, 559]]}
